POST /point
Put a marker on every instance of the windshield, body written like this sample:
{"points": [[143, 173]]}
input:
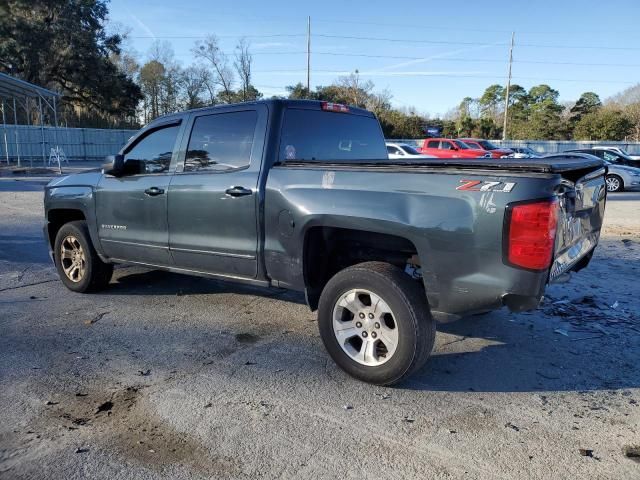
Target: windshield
{"points": [[487, 145], [410, 150], [319, 135], [461, 145]]}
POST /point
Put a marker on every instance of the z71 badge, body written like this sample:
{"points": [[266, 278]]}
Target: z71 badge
{"points": [[482, 186]]}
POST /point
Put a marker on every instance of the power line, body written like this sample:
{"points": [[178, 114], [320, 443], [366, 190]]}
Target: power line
{"points": [[445, 42], [197, 37]]}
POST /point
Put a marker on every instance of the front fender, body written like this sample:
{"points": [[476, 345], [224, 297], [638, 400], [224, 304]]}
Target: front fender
{"points": [[73, 198]]}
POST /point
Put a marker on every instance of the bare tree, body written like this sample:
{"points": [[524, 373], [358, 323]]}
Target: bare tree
{"points": [[193, 84], [242, 63], [357, 91], [209, 50]]}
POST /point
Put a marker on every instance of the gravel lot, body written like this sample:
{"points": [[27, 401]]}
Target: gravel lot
{"points": [[167, 376]]}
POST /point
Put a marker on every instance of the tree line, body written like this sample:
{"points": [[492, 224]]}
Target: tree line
{"points": [[64, 45]]}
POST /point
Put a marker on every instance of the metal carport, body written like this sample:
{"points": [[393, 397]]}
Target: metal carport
{"points": [[16, 94]]}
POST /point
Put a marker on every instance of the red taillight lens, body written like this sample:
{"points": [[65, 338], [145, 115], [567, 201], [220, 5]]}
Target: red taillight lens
{"points": [[532, 233], [334, 107]]}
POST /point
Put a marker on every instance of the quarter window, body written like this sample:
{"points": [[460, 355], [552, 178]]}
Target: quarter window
{"points": [[152, 154], [221, 142], [433, 144]]}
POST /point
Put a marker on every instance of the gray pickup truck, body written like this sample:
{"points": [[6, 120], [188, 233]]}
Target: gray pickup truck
{"points": [[301, 195]]}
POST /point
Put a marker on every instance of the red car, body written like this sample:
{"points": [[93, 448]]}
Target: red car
{"points": [[487, 146], [449, 148]]}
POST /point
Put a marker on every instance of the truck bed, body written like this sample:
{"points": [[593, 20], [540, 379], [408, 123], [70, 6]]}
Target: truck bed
{"points": [[551, 164]]}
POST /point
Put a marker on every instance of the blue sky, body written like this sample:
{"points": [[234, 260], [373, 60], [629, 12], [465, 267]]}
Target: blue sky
{"points": [[429, 55]]}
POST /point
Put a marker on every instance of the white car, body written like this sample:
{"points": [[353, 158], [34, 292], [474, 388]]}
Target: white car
{"points": [[402, 151], [524, 152], [618, 150]]}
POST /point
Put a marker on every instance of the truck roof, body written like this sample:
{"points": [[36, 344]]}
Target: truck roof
{"points": [[275, 102]]}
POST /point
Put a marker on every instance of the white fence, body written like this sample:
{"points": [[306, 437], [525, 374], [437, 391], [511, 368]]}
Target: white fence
{"points": [[33, 143], [552, 146]]}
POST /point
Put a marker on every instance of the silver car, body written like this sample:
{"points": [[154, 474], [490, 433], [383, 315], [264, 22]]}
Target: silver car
{"points": [[624, 171]]}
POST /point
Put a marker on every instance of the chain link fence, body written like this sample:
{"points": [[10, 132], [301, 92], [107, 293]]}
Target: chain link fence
{"points": [[33, 144]]}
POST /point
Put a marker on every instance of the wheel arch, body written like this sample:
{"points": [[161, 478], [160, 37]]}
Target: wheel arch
{"points": [[329, 249]]}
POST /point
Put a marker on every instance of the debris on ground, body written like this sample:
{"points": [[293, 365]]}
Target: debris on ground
{"points": [[95, 319], [408, 419], [208, 405], [512, 426], [104, 407], [49, 402], [586, 452], [144, 373], [348, 407], [632, 451], [81, 450], [561, 331]]}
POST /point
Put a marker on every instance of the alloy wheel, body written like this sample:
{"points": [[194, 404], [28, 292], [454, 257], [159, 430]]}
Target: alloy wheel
{"points": [[365, 327], [72, 259]]}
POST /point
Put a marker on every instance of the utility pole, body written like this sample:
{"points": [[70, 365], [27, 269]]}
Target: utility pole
{"points": [[308, 55], [506, 96]]}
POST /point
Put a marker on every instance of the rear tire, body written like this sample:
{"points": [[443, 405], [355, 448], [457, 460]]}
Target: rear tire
{"points": [[375, 323], [614, 183], [77, 262]]}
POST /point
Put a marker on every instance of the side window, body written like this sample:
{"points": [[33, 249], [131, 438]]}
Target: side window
{"points": [[221, 142], [393, 150], [610, 157], [152, 154], [433, 144], [445, 145]]}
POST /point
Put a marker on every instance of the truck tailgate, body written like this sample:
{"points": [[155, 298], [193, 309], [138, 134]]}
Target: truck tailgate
{"points": [[580, 215]]}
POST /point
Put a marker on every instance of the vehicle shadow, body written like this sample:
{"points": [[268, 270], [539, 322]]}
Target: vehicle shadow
{"points": [[136, 281]]}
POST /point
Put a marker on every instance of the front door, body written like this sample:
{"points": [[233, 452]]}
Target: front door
{"points": [[212, 201], [132, 208]]}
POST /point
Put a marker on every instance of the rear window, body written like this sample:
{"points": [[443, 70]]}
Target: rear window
{"points": [[329, 136], [487, 145]]}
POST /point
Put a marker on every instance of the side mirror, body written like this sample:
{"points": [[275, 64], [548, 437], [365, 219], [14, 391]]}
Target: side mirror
{"points": [[455, 148], [114, 165]]}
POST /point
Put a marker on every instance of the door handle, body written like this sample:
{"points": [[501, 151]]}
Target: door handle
{"points": [[154, 191], [238, 191]]}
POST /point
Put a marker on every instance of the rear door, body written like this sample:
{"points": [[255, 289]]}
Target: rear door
{"points": [[213, 196], [132, 209]]}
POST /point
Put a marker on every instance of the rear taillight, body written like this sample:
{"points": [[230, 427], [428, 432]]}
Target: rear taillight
{"points": [[334, 107], [531, 233]]}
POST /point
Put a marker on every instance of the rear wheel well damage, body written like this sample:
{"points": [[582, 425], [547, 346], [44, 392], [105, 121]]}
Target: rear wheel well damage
{"points": [[328, 250], [56, 218]]}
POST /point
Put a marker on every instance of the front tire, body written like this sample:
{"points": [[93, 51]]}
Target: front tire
{"points": [[77, 262], [614, 183], [375, 323]]}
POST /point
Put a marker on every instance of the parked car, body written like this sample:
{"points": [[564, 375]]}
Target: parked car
{"points": [[618, 150], [524, 152], [487, 146], [301, 195], [623, 171], [449, 148], [402, 151]]}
